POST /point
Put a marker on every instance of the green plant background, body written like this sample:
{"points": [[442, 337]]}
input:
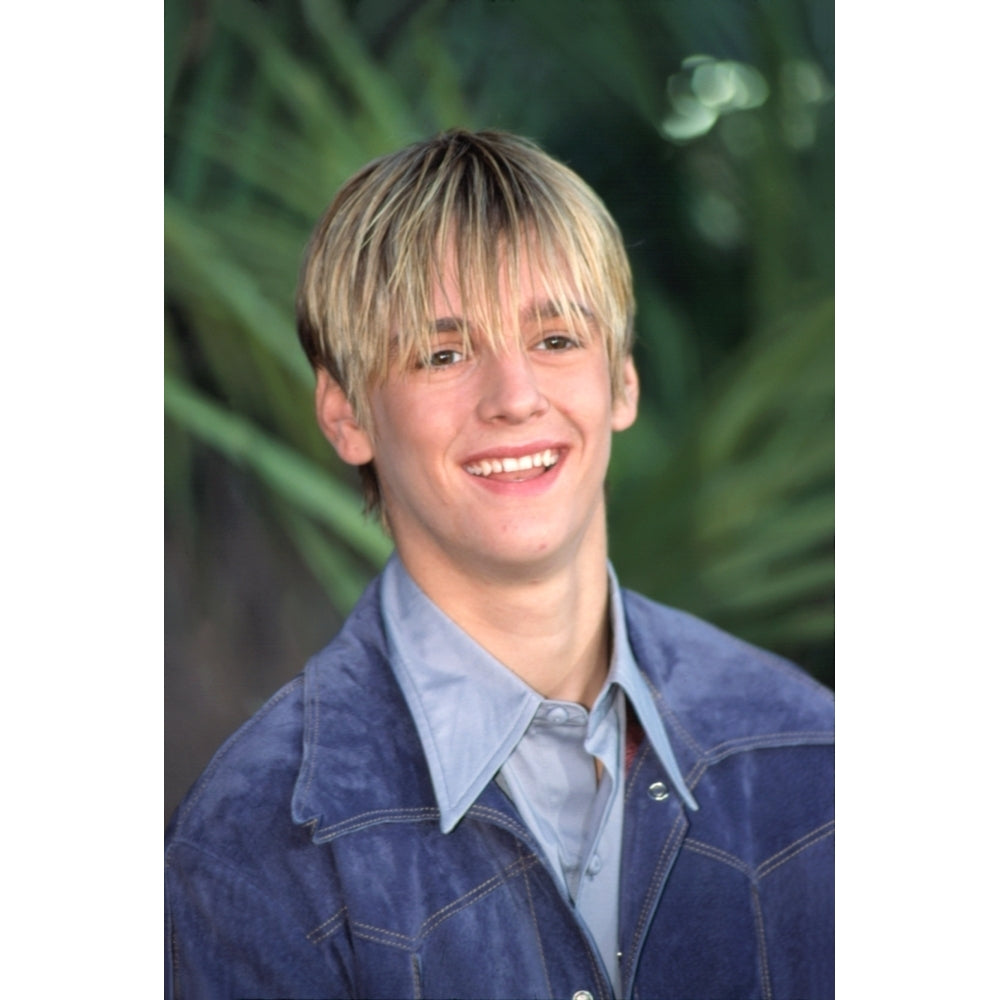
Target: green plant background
{"points": [[707, 128]]}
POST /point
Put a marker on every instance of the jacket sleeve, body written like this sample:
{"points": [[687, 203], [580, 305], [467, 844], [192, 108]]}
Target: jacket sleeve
{"points": [[227, 937]]}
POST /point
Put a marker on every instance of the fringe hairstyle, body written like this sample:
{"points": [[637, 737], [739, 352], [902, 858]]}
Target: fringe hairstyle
{"points": [[486, 199]]}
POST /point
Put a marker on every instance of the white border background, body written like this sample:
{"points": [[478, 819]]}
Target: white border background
{"points": [[918, 499], [918, 503], [82, 419]]}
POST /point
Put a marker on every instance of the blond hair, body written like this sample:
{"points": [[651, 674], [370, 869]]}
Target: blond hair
{"points": [[485, 199]]}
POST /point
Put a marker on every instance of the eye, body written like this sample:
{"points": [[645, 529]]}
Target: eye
{"points": [[557, 342], [442, 358]]}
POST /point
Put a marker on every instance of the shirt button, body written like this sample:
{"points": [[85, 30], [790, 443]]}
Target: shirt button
{"points": [[558, 715], [658, 791], [583, 995], [595, 865]]}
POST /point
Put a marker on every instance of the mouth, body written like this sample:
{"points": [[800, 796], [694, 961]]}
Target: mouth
{"points": [[515, 470]]}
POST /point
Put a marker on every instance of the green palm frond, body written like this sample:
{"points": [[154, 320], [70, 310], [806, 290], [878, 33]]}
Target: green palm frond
{"points": [[721, 496]]}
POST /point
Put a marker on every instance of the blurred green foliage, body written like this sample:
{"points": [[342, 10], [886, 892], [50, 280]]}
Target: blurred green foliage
{"points": [[707, 128]]}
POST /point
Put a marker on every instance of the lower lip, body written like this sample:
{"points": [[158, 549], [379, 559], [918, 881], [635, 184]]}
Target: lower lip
{"points": [[526, 487]]}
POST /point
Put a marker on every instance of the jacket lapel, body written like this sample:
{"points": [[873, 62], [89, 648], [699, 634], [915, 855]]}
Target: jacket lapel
{"points": [[361, 757], [655, 827]]}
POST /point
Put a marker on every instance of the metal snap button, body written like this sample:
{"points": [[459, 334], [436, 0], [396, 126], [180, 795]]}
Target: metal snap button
{"points": [[658, 791], [583, 995]]}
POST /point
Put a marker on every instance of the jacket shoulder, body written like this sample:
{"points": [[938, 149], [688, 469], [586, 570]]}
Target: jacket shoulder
{"points": [[250, 782], [253, 770], [719, 687]]}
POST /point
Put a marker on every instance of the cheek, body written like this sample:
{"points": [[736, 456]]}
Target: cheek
{"points": [[595, 407], [409, 447]]}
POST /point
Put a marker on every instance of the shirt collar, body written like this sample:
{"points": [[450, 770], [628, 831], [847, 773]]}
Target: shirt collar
{"points": [[469, 709], [625, 672]]}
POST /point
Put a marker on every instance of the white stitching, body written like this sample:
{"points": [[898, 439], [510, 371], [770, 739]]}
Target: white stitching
{"points": [[769, 741], [474, 895], [803, 843], [534, 921], [323, 931], [372, 817], [717, 854], [758, 919], [675, 834]]}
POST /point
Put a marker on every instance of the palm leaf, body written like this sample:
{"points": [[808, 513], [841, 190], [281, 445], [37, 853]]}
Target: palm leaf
{"points": [[308, 488]]}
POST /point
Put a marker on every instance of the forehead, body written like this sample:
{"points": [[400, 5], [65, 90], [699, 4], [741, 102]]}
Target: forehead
{"points": [[523, 285], [487, 289]]}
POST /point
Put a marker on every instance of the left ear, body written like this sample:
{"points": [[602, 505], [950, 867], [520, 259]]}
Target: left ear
{"points": [[336, 420], [626, 406]]}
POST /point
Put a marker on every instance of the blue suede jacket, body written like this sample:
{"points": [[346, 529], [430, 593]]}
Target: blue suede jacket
{"points": [[308, 862]]}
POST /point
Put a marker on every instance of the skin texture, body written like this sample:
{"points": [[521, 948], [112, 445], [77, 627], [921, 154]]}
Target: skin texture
{"points": [[519, 559]]}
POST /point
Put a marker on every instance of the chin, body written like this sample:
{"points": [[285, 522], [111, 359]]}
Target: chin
{"points": [[527, 554]]}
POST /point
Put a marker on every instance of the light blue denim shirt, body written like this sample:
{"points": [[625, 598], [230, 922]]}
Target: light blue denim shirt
{"points": [[477, 720]]}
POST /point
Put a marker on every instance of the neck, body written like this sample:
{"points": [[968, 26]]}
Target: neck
{"points": [[551, 630]]}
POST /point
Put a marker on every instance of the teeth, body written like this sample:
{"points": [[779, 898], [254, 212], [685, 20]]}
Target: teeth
{"points": [[489, 466]]}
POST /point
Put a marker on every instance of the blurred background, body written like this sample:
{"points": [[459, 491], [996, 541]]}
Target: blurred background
{"points": [[707, 128]]}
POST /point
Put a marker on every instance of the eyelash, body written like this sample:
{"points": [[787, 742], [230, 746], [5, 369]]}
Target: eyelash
{"points": [[566, 342], [445, 357], [432, 360]]}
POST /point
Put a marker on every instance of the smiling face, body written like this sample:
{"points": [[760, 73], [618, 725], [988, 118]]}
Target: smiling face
{"points": [[372, 267], [491, 462]]}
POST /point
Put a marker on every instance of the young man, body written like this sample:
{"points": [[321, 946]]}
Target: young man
{"points": [[505, 777]]}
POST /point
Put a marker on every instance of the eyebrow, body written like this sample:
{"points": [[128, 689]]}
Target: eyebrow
{"points": [[538, 310]]}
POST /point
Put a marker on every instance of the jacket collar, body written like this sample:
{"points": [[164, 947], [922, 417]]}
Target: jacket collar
{"points": [[362, 760], [469, 709]]}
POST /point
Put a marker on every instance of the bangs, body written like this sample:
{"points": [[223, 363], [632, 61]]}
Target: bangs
{"points": [[483, 277], [476, 224], [470, 207]]}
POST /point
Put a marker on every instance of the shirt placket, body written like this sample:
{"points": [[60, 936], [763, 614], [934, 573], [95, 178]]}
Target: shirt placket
{"points": [[597, 895]]}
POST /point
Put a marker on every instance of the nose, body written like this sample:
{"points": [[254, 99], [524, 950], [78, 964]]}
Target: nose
{"points": [[509, 389]]}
